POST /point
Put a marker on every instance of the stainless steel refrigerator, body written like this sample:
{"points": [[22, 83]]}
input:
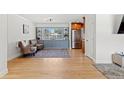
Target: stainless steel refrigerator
{"points": [[76, 39]]}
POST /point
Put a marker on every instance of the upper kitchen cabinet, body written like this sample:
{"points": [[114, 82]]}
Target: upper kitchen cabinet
{"points": [[77, 25]]}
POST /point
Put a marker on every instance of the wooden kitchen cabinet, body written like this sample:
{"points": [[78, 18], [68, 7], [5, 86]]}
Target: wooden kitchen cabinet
{"points": [[77, 26]]}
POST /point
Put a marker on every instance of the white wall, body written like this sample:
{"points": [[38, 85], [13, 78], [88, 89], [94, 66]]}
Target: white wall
{"points": [[53, 25], [3, 45], [15, 34], [107, 42]]}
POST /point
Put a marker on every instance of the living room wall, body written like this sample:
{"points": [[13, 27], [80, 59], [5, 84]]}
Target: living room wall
{"points": [[15, 34], [107, 43], [3, 44]]}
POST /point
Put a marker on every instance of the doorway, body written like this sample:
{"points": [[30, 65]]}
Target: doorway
{"points": [[78, 36]]}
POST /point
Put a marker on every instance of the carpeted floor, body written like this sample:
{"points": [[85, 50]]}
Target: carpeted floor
{"points": [[111, 71], [52, 53]]}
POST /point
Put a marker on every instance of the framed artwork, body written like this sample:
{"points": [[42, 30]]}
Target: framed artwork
{"points": [[25, 29]]}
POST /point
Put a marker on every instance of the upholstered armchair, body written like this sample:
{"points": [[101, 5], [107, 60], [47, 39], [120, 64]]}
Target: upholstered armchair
{"points": [[27, 50]]}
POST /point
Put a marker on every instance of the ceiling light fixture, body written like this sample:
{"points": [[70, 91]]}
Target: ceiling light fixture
{"points": [[49, 19]]}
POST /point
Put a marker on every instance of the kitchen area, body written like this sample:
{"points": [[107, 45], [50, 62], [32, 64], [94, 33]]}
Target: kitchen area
{"points": [[78, 35], [56, 36]]}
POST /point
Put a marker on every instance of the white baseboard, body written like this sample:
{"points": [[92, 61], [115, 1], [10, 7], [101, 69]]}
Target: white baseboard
{"points": [[12, 57], [3, 73], [94, 60]]}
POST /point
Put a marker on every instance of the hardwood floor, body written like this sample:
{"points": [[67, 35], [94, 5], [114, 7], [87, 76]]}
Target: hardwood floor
{"points": [[76, 67]]}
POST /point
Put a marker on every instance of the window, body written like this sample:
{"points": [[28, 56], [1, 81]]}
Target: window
{"points": [[54, 33]]}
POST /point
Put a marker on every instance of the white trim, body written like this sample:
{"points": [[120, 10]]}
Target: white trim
{"points": [[86, 54], [94, 60], [13, 57], [70, 36], [3, 73]]}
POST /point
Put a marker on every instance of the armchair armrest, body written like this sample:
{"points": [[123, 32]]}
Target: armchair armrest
{"points": [[27, 49]]}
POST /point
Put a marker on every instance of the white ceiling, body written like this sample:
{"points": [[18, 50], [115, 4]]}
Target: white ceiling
{"points": [[57, 18]]}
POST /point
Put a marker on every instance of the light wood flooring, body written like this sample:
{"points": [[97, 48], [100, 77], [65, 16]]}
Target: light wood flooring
{"points": [[76, 67]]}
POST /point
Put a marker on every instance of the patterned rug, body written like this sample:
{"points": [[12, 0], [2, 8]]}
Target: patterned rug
{"points": [[55, 53], [111, 71]]}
